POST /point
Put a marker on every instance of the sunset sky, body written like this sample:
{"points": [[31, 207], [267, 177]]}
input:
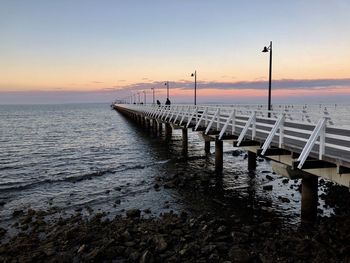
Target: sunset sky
{"points": [[97, 51]]}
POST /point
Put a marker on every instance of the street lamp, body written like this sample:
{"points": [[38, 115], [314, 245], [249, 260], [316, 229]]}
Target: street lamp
{"points": [[267, 49], [144, 94], [138, 94], [167, 89], [195, 86], [153, 96]]}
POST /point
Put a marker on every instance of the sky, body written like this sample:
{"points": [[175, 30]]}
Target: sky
{"points": [[97, 51]]}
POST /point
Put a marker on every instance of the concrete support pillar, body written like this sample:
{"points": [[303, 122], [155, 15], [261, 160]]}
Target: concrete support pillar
{"points": [[219, 160], [154, 126], [147, 124], [251, 161], [168, 130], [184, 141], [160, 128], [309, 198], [207, 147]]}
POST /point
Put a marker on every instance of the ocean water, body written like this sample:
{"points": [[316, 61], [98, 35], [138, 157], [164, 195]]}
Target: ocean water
{"points": [[72, 157]]}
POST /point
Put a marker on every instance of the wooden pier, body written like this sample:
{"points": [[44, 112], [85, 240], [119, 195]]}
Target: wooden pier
{"points": [[301, 143]]}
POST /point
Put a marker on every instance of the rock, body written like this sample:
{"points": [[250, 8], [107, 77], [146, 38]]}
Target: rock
{"points": [[81, 248], [156, 186], [160, 243], [17, 212], [221, 229], [117, 188], [146, 257], [170, 184], [240, 255], [133, 213], [285, 181], [147, 211], [269, 177], [236, 153], [2, 232], [117, 201], [284, 199], [267, 187], [214, 258]]}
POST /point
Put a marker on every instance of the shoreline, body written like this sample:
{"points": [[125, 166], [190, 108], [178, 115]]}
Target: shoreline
{"points": [[174, 238], [140, 236]]}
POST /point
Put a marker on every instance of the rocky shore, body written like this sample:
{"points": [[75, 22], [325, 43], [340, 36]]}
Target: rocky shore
{"points": [[172, 238], [140, 236]]}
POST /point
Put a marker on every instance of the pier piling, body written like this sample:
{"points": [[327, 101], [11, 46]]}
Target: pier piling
{"points": [[251, 161], [309, 198], [207, 147], [218, 156], [184, 141]]}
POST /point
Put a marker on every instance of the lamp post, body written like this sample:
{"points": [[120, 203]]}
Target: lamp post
{"points": [[144, 99], [167, 89], [138, 95], [195, 86], [153, 96], [267, 49]]}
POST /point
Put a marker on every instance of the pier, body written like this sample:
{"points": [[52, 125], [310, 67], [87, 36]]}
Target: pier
{"points": [[304, 142]]}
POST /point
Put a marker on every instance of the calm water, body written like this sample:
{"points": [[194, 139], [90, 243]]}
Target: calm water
{"points": [[71, 156]]}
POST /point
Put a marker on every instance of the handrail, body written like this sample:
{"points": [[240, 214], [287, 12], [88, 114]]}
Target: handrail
{"points": [[297, 129]]}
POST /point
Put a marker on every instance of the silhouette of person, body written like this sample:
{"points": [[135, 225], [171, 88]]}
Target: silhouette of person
{"points": [[167, 101], [158, 103]]}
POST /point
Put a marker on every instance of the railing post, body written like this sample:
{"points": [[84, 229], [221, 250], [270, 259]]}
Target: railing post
{"points": [[206, 116], [322, 141], [234, 122], [218, 120], [254, 126]]}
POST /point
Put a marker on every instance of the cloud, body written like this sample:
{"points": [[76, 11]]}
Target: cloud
{"points": [[98, 82], [290, 84]]}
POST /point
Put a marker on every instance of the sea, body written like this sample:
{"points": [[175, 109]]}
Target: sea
{"points": [[89, 158]]}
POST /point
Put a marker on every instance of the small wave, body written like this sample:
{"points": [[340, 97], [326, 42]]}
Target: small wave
{"points": [[163, 162], [87, 176]]}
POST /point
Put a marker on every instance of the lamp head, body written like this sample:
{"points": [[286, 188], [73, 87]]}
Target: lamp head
{"points": [[192, 75], [266, 49]]}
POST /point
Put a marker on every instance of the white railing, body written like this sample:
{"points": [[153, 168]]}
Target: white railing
{"points": [[309, 130]]}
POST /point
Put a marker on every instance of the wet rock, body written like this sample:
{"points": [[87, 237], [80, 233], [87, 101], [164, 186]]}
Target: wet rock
{"points": [[240, 255], [160, 243], [260, 160], [147, 211], [81, 248], [236, 153], [170, 184], [133, 213], [269, 177], [267, 187], [285, 181], [17, 212], [146, 257], [284, 199], [2, 232]]}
